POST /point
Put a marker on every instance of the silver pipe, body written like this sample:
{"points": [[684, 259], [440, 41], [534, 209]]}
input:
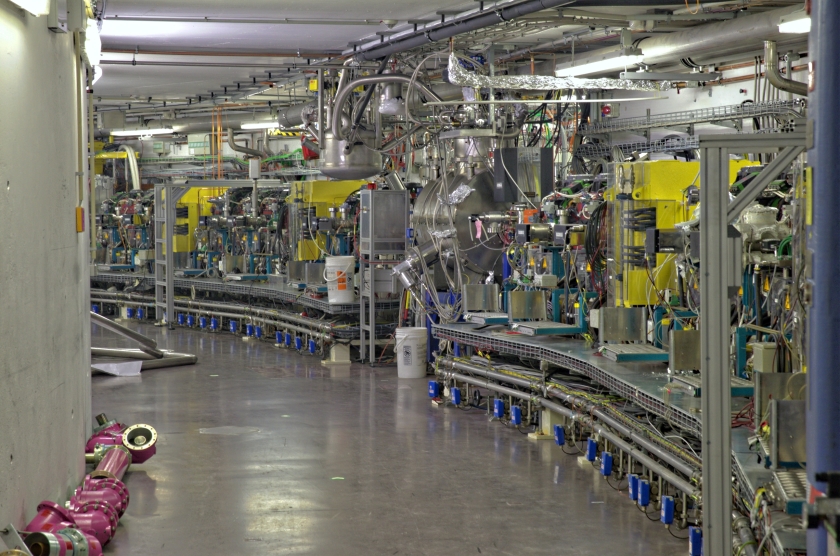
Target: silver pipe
{"points": [[293, 115], [590, 409], [736, 34], [241, 149], [631, 450], [771, 68], [240, 311], [146, 344], [342, 94], [170, 360], [120, 352], [743, 541]]}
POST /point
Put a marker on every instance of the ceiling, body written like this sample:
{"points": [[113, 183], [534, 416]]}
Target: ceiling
{"points": [[177, 49]]}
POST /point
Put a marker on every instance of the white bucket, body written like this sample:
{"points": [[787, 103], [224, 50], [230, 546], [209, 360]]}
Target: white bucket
{"points": [[338, 272], [410, 349]]}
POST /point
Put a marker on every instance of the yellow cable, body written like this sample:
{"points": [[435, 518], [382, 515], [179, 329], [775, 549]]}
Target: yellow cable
{"points": [[699, 7]]}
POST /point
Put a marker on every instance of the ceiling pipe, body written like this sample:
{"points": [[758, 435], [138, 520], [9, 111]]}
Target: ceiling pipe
{"points": [[708, 43], [481, 19], [737, 34], [771, 64], [239, 148]]}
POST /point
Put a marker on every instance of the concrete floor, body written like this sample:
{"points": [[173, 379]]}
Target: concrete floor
{"points": [[353, 462]]}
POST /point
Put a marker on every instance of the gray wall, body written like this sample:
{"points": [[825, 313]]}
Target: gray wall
{"points": [[44, 326]]}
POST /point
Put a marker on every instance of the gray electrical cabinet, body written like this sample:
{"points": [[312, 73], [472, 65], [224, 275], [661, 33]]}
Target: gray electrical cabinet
{"points": [[383, 222]]}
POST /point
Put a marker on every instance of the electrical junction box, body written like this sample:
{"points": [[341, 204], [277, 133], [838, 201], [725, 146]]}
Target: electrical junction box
{"points": [[765, 359], [545, 281], [160, 147], [199, 144]]}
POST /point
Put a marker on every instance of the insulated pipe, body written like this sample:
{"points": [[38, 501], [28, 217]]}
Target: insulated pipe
{"points": [[342, 94], [590, 409], [238, 148], [666, 474], [771, 65], [738, 34], [481, 19], [147, 344], [293, 115], [131, 161], [822, 410], [206, 305], [743, 542]]}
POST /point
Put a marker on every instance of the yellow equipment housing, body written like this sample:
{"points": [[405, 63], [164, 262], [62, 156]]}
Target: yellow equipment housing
{"points": [[320, 195], [663, 185], [196, 203]]}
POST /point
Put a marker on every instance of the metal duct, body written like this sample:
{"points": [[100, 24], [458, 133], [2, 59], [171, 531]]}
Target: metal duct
{"points": [[241, 149], [771, 64], [293, 115], [737, 34], [342, 94], [482, 19]]}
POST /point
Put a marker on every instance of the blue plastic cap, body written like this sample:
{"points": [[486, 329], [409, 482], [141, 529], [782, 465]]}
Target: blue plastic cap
{"points": [[434, 389], [591, 449], [498, 408], [606, 464], [455, 393], [644, 493], [516, 415], [695, 541], [559, 435], [666, 515], [633, 487]]}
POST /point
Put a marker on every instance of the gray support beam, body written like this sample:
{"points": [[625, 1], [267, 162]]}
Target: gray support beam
{"points": [[714, 352], [761, 181], [823, 409]]}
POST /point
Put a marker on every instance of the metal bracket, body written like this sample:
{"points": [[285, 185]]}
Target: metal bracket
{"points": [[13, 540]]}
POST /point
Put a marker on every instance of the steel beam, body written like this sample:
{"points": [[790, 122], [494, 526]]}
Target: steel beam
{"points": [[714, 351]]}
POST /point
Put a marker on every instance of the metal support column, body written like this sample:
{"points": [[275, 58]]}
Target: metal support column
{"points": [[714, 352], [823, 411], [321, 107], [166, 199], [716, 259]]}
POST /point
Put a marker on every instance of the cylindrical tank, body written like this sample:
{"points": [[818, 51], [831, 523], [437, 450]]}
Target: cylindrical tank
{"points": [[431, 215], [360, 163]]}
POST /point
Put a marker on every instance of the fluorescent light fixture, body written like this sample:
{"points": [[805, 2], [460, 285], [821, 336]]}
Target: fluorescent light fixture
{"points": [[260, 125], [35, 7], [798, 22], [610, 60], [141, 132]]}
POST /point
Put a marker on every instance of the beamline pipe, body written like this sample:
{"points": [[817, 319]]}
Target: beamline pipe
{"points": [[148, 301], [589, 409], [633, 452], [276, 323]]}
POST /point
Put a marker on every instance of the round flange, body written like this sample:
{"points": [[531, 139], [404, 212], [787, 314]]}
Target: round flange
{"points": [[42, 544], [139, 437], [52, 506], [79, 540]]}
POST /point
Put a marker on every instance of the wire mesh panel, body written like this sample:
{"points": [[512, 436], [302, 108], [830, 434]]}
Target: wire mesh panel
{"points": [[703, 115], [568, 360]]}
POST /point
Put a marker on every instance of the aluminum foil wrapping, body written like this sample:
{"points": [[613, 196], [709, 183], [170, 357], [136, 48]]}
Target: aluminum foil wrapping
{"points": [[457, 197], [458, 75]]}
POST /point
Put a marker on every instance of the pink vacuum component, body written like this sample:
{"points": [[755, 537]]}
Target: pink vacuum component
{"points": [[139, 439], [97, 518], [113, 464], [105, 490], [50, 517], [49, 544]]}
